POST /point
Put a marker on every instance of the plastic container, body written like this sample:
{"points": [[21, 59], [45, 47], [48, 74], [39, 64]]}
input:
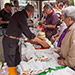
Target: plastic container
{"points": [[3, 72], [6, 68]]}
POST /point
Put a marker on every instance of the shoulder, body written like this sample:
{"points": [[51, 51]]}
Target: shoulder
{"points": [[72, 27], [2, 11], [54, 15], [19, 14]]}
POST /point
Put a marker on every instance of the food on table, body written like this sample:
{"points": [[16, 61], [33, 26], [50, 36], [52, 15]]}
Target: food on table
{"points": [[30, 58], [41, 35], [46, 69], [35, 59], [25, 74], [32, 28], [32, 71], [41, 58], [27, 68], [39, 71]]}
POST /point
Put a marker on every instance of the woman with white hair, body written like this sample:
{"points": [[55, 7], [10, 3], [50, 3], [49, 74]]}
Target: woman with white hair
{"points": [[67, 39]]}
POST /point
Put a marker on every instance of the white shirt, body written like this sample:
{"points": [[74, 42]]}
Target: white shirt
{"points": [[14, 9]]}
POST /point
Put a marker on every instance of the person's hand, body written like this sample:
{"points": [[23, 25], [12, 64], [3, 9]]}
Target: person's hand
{"points": [[40, 42], [42, 21], [7, 22], [0, 19], [44, 44], [43, 39], [53, 38], [61, 62], [3, 22], [56, 51], [44, 25]]}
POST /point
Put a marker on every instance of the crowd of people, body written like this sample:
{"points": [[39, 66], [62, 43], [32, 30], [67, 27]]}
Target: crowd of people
{"points": [[64, 34], [58, 21], [17, 24]]}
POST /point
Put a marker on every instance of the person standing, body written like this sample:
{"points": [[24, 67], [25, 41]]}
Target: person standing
{"points": [[67, 39], [15, 8], [5, 15], [66, 5], [51, 21], [60, 6], [18, 25]]}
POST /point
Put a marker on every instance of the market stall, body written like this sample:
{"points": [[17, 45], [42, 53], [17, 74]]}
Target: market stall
{"points": [[40, 61]]}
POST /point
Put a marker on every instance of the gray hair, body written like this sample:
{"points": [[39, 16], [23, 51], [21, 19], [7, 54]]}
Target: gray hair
{"points": [[69, 12], [29, 8], [48, 6]]}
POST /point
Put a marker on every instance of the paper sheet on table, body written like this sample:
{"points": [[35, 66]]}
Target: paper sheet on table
{"points": [[66, 71]]}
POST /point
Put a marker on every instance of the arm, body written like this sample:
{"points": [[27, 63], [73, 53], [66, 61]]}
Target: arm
{"points": [[0, 20], [49, 26], [41, 42], [28, 33], [3, 22], [54, 22], [56, 36], [21, 18], [42, 21], [57, 51]]}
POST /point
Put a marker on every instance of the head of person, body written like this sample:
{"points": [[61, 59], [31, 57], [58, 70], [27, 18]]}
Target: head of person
{"points": [[56, 6], [29, 10], [35, 6], [60, 5], [16, 3], [45, 15], [68, 15], [7, 7], [48, 9], [66, 5]]}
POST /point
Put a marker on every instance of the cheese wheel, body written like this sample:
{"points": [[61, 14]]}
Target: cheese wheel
{"points": [[42, 37], [41, 33]]}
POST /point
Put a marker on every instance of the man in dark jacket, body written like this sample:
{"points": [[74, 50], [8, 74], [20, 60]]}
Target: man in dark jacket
{"points": [[17, 26]]}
